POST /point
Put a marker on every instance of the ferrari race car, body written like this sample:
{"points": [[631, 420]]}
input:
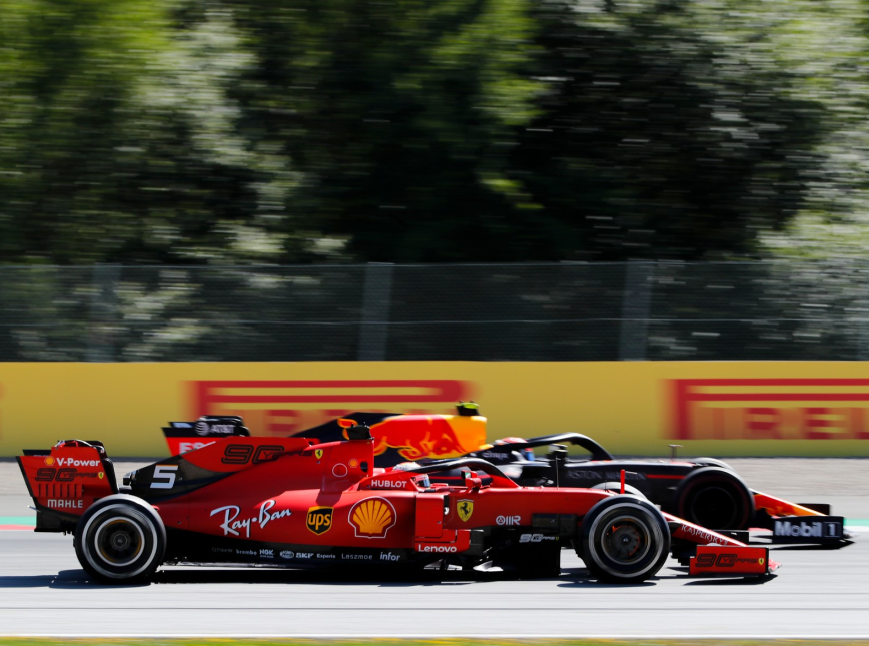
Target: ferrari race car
{"points": [[296, 503], [704, 491]]}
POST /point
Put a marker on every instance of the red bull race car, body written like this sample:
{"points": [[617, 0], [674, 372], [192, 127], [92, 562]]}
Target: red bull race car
{"points": [[300, 503], [705, 491]]}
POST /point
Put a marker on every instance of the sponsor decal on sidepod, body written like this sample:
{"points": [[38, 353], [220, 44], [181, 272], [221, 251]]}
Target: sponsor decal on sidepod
{"points": [[387, 484], [319, 519], [372, 517], [231, 512]]}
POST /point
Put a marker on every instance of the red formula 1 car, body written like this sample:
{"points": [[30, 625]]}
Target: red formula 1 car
{"points": [[294, 503]]}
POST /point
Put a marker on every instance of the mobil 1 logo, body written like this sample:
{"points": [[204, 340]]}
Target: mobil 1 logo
{"points": [[809, 529]]}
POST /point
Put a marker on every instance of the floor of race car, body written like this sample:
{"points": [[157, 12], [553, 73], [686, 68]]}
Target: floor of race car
{"points": [[818, 594]]}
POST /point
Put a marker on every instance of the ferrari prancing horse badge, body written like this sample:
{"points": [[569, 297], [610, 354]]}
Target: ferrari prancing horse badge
{"points": [[465, 509]]}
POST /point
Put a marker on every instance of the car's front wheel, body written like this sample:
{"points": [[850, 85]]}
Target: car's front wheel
{"points": [[616, 487], [624, 540], [715, 498], [120, 539]]}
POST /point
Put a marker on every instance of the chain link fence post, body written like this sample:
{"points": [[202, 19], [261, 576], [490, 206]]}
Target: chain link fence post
{"points": [[103, 313], [636, 309], [374, 323]]}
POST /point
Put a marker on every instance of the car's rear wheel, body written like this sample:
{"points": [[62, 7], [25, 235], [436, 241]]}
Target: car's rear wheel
{"points": [[624, 540], [715, 498], [120, 539]]}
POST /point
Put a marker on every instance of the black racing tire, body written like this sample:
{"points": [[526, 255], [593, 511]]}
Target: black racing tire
{"points": [[616, 487], [712, 462], [715, 498], [624, 540], [120, 539]]}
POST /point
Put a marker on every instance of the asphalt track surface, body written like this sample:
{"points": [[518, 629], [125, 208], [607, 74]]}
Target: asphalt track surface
{"points": [[818, 593]]}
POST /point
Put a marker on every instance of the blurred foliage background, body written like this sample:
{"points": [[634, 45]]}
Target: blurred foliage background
{"points": [[284, 143], [298, 131]]}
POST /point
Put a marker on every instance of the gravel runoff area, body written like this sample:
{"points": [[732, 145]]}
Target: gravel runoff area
{"points": [[777, 476]]}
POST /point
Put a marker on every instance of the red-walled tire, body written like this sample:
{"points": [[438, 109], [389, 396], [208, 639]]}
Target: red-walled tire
{"points": [[715, 498], [120, 539]]}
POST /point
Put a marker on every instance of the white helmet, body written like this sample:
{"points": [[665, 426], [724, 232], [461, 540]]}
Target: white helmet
{"points": [[421, 480]]}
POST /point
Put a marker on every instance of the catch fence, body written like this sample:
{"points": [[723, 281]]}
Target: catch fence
{"points": [[631, 311]]}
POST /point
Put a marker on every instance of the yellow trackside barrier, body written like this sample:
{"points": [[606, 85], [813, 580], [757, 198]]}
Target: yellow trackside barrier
{"points": [[718, 409]]}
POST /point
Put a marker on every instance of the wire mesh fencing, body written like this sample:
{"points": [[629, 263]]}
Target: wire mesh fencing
{"points": [[630, 311]]}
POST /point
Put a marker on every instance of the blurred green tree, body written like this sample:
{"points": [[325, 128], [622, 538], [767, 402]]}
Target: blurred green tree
{"points": [[398, 117], [114, 145], [661, 136], [187, 131]]}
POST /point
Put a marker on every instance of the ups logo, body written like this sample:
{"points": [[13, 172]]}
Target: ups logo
{"points": [[319, 519]]}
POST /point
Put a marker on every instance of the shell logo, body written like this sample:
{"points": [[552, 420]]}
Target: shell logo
{"points": [[49, 461], [372, 517]]}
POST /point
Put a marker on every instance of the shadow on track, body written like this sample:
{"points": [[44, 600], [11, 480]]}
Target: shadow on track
{"points": [[808, 548], [722, 580], [757, 580], [63, 580], [197, 575]]}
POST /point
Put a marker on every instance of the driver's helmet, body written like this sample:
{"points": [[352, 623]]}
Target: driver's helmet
{"points": [[527, 453], [510, 440], [421, 480]]}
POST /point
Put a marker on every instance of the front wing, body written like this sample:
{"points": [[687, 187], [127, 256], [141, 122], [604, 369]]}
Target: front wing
{"points": [[730, 560], [793, 523], [714, 553]]}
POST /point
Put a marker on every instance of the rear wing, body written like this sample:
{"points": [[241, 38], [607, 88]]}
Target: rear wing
{"points": [[182, 437], [65, 480]]}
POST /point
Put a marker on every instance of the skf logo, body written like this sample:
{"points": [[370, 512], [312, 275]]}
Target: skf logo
{"points": [[319, 519], [465, 509], [318, 453], [49, 461], [770, 409], [372, 517]]}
